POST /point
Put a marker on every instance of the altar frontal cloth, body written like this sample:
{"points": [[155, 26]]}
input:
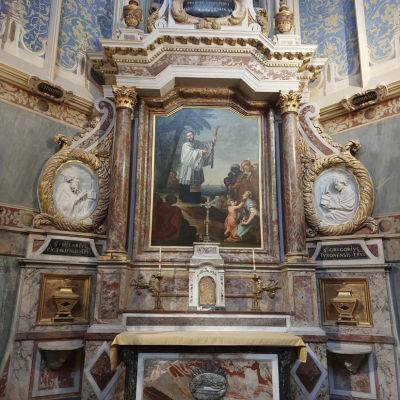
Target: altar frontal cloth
{"points": [[188, 338]]}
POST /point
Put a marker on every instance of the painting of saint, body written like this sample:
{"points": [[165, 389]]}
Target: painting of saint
{"points": [[206, 154]]}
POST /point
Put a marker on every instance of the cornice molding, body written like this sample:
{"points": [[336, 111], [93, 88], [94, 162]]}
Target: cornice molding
{"points": [[16, 77], [337, 109]]}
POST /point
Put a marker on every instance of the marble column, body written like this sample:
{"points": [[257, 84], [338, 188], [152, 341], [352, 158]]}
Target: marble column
{"points": [[292, 193], [125, 100]]}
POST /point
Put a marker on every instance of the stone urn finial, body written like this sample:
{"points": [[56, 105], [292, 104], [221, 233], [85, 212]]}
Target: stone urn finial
{"points": [[284, 19], [132, 14]]}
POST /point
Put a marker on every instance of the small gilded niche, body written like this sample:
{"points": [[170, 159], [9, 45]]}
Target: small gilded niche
{"points": [[64, 299], [207, 294], [331, 291]]}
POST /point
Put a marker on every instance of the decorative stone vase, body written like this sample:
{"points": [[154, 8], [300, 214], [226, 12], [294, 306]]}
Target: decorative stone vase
{"points": [[345, 305], [133, 14], [284, 20], [65, 300]]}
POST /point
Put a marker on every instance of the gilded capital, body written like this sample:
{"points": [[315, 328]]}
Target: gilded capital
{"points": [[288, 102], [124, 96]]}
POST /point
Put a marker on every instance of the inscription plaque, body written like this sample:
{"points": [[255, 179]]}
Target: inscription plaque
{"points": [[51, 90], [72, 248], [209, 8], [342, 252], [365, 98]]}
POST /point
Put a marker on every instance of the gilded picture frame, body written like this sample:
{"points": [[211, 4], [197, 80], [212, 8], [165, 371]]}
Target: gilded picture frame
{"points": [[360, 290], [81, 285], [359, 204], [78, 202], [216, 98]]}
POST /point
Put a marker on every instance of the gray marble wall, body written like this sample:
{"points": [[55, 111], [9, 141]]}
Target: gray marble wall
{"points": [[9, 277], [26, 143], [380, 154]]}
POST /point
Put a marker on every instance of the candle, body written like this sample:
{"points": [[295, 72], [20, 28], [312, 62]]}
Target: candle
{"points": [[254, 263], [159, 263]]}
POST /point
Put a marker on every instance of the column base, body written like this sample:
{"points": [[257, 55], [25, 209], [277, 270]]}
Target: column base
{"points": [[119, 255], [298, 258]]}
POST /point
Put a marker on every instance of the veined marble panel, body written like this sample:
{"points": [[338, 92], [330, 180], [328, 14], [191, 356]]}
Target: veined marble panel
{"points": [[249, 376]]}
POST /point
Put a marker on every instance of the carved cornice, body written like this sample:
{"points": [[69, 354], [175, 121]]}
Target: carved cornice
{"points": [[288, 102], [124, 97], [21, 79]]}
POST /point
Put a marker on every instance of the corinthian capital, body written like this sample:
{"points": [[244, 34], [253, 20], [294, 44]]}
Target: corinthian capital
{"points": [[124, 97], [288, 102]]}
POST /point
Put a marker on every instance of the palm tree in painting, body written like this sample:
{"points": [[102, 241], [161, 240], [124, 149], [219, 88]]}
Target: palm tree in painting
{"points": [[186, 119]]}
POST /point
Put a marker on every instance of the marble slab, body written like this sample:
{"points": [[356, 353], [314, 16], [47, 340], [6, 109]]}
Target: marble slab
{"points": [[168, 375]]}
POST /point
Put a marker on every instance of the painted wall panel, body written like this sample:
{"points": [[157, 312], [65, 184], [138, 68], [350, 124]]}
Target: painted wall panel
{"points": [[332, 21], [93, 17], [379, 153], [26, 143], [379, 16]]}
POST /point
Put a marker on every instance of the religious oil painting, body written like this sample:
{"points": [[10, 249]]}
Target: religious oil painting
{"points": [[336, 195], [75, 190], [206, 157]]}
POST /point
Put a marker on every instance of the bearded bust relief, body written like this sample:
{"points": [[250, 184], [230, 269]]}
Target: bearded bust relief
{"points": [[75, 190], [336, 195]]}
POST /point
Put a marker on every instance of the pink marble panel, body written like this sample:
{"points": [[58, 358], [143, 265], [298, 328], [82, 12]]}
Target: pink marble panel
{"points": [[109, 296], [61, 378], [343, 379], [303, 298], [169, 380], [259, 70]]}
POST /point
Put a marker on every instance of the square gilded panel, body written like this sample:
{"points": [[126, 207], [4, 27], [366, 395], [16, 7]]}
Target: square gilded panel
{"points": [[51, 283], [360, 290]]}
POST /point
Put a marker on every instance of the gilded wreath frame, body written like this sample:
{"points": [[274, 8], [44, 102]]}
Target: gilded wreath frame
{"points": [[50, 215], [362, 218]]}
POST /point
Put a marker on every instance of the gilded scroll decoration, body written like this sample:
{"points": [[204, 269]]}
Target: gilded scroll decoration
{"points": [[74, 190], [236, 18], [338, 194], [262, 19], [154, 15]]}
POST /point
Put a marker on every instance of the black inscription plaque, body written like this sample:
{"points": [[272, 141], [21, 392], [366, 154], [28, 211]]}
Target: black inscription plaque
{"points": [[346, 323], [342, 252], [364, 98], [51, 90], [209, 8], [71, 248]]}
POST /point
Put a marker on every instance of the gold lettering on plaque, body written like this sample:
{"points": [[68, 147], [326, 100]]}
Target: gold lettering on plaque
{"points": [[207, 291]]}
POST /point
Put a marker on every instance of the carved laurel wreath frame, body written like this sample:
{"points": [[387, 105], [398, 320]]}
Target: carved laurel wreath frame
{"points": [[236, 18], [49, 212], [362, 218]]}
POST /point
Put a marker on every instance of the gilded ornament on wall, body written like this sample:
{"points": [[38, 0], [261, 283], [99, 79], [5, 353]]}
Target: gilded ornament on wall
{"points": [[338, 193], [73, 190], [178, 11]]}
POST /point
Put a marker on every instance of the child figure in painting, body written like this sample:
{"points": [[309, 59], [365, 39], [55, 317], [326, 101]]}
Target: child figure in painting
{"points": [[230, 221]]}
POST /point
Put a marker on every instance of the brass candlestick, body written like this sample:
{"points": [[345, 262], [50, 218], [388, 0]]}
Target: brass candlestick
{"points": [[206, 237]]}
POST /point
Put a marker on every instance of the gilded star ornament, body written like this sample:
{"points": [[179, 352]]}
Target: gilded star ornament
{"points": [[124, 96]]}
